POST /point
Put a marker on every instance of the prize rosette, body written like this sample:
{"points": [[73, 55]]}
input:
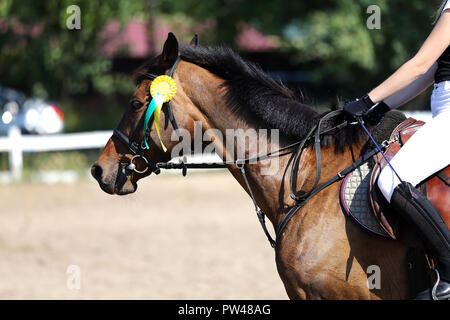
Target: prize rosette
{"points": [[162, 90]]}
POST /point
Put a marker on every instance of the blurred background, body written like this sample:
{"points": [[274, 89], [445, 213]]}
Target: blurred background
{"points": [[322, 48], [71, 86]]}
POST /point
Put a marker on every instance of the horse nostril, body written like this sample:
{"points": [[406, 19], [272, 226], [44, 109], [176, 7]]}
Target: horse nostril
{"points": [[97, 172]]}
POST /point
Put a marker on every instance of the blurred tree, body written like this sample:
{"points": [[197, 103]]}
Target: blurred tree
{"points": [[330, 34], [40, 55], [353, 56]]}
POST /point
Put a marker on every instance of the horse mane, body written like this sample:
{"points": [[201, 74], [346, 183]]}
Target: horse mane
{"points": [[256, 97]]}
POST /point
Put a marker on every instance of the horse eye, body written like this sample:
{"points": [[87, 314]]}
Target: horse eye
{"points": [[136, 104]]}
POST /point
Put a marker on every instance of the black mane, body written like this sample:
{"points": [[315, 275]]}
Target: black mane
{"points": [[251, 93]]}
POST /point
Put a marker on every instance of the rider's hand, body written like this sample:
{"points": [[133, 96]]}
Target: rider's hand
{"points": [[359, 106], [376, 113], [371, 112]]}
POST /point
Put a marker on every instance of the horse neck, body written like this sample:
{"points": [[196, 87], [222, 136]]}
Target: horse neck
{"points": [[268, 179], [211, 110], [219, 121]]}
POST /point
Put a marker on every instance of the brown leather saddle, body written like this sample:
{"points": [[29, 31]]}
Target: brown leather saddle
{"points": [[436, 187]]}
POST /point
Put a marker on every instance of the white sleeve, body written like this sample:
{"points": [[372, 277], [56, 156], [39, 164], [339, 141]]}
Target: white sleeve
{"points": [[447, 5]]}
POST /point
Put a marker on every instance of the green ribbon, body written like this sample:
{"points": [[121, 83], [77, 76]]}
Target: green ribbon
{"points": [[154, 108]]}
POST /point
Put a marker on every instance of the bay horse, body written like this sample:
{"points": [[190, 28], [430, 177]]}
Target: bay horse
{"points": [[322, 254]]}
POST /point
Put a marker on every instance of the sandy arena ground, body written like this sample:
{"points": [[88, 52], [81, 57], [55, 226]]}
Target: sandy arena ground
{"points": [[176, 238]]}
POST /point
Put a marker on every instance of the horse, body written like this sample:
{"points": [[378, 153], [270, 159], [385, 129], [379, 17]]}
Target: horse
{"points": [[321, 254]]}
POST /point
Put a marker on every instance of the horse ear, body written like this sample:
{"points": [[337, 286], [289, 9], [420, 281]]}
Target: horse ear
{"points": [[170, 51], [194, 41]]}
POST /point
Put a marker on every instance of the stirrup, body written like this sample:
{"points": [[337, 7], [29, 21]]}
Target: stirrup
{"points": [[433, 290], [431, 293]]}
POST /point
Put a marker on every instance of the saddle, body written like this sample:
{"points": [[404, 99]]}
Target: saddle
{"points": [[436, 188], [363, 202]]}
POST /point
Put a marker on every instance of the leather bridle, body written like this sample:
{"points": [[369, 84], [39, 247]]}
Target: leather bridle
{"points": [[137, 150]]}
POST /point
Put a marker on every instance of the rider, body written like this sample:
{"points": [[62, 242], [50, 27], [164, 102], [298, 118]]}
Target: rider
{"points": [[428, 150]]}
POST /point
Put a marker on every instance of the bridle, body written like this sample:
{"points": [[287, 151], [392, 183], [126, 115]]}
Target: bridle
{"points": [[137, 149], [295, 149]]}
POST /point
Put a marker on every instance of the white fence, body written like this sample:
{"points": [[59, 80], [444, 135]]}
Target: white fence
{"points": [[16, 144]]}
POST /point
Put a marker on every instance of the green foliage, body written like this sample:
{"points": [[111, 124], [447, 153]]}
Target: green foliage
{"points": [[339, 38], [331, 33], [96, 113], [56, 61], [329, 38]]}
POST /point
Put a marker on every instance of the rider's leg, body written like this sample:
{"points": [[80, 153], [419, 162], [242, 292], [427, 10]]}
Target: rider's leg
{"points": [[425, 153]]}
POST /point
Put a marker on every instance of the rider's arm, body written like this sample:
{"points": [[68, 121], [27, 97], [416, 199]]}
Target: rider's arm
{"points": [[437, 42], [413, 90]]}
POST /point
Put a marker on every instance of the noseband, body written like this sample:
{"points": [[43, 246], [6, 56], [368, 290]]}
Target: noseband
{"points": [[137, 149]]}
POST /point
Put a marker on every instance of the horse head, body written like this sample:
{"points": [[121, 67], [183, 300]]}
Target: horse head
{"points": [[126, 158]]}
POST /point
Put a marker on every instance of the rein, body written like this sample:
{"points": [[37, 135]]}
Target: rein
{"points": [[137, 149]]}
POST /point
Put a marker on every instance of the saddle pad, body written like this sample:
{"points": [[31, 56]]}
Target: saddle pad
{"points": [[354, 198]]}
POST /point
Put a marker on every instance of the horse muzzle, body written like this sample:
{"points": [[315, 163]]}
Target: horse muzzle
{"points": [[118, 181]]}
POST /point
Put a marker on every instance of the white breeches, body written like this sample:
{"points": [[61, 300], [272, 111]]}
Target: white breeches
{"points": [[427, 151]]}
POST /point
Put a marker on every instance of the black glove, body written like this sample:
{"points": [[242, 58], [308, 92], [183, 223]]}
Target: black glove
{"points": [[376, 113], [366, 108], [359, 106]]}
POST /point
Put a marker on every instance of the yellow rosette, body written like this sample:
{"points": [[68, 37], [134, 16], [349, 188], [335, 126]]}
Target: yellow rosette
{"points": [[162, 90]]}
